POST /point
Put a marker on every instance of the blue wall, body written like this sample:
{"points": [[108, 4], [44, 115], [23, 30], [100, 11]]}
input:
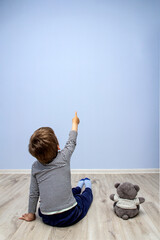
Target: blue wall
{"points": [[99, 58]]}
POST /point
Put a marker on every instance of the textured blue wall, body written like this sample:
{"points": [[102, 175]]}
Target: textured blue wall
{"points": [[99, 58]]}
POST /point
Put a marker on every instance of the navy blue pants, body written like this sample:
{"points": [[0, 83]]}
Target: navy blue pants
{"points": [[73, 215]]}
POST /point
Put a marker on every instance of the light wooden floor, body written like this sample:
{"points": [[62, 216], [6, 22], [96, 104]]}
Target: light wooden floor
{"points": [[100, 223]]}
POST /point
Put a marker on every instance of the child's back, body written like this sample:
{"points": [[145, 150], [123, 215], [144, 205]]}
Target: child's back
{"points": [[53, 181]]}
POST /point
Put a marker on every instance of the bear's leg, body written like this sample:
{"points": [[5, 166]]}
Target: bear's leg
{"points": [[125, 217]]}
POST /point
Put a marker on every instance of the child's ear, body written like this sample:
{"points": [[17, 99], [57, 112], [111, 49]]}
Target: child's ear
{"points": [[58, 147], [116, 185]]}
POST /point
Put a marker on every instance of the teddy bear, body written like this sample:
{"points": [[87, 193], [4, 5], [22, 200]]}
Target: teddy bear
{"points": [[126, 204]]}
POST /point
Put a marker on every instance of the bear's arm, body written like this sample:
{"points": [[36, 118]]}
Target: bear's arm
{"points": [[112, 197], [141, 200]]}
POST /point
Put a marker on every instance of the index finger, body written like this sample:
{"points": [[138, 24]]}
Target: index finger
{"points": [[76, 114]]}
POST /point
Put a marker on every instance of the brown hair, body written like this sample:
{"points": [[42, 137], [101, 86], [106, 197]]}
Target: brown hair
{"points": [[43, 145]]}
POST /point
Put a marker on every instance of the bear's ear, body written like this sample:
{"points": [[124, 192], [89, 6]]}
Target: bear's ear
{"points": [[136, 187], [116, 185]]}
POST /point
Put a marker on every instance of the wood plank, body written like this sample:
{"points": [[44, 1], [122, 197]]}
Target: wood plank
{"points": [[90, 171]]}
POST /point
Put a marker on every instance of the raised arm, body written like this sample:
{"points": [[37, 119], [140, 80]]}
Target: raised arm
{"points": [[71, 143], [75, 122]]}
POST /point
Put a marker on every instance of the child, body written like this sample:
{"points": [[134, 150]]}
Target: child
{"points": [[60, 205]]}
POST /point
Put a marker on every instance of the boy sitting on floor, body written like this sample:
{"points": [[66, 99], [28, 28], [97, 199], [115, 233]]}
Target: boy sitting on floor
{"points": [[60, 205]]}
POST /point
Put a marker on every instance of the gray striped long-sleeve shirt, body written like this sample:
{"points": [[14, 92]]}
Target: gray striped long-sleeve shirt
{"points": [[52, 182]]}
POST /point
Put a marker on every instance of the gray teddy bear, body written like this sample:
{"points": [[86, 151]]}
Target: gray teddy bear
{"points": [[126, 203]]}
